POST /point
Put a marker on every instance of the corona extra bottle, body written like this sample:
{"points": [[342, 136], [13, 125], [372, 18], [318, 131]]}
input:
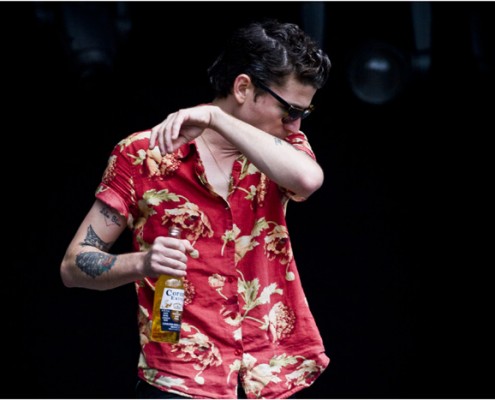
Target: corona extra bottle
{"points": [[168, 304]]}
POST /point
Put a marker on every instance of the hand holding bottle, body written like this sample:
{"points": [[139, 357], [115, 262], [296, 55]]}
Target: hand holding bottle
{"points": [[168, 255], [168, 302]]}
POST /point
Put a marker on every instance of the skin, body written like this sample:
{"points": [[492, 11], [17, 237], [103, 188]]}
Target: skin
{"points": [[240, 123]]}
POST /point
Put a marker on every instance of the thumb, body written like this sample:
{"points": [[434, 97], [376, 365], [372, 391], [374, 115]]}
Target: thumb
{"points": [[190, 249]]}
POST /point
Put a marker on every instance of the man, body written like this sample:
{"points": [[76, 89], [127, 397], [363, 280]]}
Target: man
{"points": [[222, 172]]}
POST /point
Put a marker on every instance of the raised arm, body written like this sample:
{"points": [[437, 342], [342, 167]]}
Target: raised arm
{"points": [[279, 160], [290, 167]]}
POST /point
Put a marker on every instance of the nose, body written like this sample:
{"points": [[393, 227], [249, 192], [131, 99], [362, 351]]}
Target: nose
{"points": [[293, 126]]}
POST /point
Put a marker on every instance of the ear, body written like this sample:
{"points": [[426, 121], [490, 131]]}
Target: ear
{"points": [[242, 88]]}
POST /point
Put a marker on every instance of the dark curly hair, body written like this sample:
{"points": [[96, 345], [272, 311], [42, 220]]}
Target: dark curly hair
{"points": [[269, 52]]}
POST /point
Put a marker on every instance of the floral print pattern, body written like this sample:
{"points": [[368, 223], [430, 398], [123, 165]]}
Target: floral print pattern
{"points": [[246, 319]]}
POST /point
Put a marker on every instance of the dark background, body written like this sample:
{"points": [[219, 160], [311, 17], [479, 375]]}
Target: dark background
{"points": [[394, 250]]}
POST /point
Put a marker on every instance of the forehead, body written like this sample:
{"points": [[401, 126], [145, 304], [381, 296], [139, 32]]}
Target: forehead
{"points": [[296, 93], [293, 86]]}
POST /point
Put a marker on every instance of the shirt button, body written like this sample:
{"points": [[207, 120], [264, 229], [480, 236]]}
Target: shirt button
{"points": [[238, 352], [230, 279]]}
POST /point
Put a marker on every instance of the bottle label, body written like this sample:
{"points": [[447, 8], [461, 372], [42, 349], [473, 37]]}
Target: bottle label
{"points": [[171, 309]]}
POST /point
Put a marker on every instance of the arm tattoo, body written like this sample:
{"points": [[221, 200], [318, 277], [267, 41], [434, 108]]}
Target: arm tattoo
{"points": [[111, 218], [94, 264], [92, 239]]}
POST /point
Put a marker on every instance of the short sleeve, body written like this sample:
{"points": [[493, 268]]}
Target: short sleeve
{"points": [[116, 187], [300, 142]]}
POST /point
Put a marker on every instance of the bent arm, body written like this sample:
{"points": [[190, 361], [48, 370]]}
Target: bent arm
{"points": [[283, 163], [88, 264]]}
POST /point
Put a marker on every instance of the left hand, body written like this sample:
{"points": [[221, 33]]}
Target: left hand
{"points": [[181, 127]]}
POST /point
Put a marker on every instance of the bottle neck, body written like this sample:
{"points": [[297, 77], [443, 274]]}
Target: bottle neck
{"points": [[174, 231]]}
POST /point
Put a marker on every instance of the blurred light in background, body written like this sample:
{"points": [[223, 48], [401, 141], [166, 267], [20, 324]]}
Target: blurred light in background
{"points": [[379, 72], [90, 32]]}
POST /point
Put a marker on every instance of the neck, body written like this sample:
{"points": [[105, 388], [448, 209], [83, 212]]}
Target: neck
{"points": [[218, 144]]}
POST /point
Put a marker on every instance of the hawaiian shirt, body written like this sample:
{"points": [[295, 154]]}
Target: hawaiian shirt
{"points": [[246, 318]]}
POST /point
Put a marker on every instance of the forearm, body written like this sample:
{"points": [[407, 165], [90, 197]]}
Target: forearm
{"points": [[279, 160], [92, 268]]}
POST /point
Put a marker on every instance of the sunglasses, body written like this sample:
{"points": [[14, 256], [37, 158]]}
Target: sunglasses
{"points": [[291, 113]]}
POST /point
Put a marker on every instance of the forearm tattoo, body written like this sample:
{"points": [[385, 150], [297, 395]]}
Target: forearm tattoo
{"points": [[94, 264], [278, 141], [92, 239]]}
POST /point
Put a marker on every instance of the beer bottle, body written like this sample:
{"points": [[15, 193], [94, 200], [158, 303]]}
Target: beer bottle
{"points": [[168, 304]]}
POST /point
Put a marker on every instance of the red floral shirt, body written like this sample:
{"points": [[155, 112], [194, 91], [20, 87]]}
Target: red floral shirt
{"points": [[245, 312]]}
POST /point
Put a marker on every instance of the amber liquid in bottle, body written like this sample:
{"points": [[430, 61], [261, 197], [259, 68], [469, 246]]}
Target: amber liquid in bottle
{"points": [[168, 305]]}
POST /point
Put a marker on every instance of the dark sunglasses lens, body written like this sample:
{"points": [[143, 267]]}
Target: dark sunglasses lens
{"points": [[294, 114], [305, 113]]}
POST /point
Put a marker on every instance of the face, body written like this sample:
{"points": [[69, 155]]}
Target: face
{"points": [[280, 109]]}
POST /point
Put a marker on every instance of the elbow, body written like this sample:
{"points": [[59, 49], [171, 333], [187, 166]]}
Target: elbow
{"points": [[316, 181], [310, 183], [66, 275], [307, 185]]}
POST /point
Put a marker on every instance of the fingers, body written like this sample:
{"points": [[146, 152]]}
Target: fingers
{"points": [[179, 128], [167, 256], [163, 131], [187, 245], [153, 136], [157, 133], [167, 134]]}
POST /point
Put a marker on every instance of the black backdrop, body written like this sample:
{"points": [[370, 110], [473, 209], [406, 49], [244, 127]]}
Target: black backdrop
{"points": [[390, 250]]}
